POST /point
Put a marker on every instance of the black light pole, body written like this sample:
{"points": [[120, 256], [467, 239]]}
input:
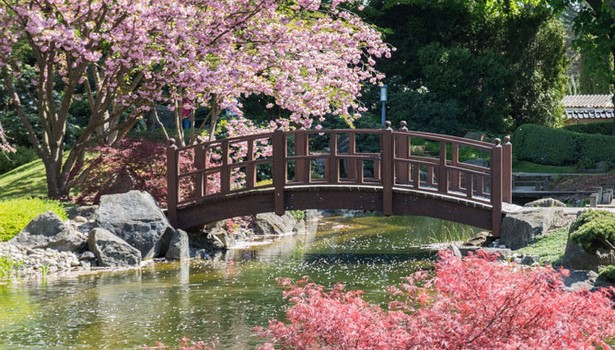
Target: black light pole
{"points": [[383, 100]]}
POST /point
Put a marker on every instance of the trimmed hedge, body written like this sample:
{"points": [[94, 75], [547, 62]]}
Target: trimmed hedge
{"points": [[601, 128], [544, 145], [17, 213]]}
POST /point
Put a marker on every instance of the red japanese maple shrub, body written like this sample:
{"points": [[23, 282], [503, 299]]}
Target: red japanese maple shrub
{"points": [[474, 303], [133, 164]]}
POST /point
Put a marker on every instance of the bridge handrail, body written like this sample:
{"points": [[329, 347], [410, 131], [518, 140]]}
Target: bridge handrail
{"points": [[394, 165]]}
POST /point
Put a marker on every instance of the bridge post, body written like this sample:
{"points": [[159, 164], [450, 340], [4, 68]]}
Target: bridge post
{"points": [[302, 165], [442, 172], [402, 170], [172, 183], [199, 165], [496, 188], [507, 170], [279, 170], [387, 169]]}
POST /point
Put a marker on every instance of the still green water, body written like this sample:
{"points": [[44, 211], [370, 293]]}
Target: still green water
{"points": [[221, 298]]}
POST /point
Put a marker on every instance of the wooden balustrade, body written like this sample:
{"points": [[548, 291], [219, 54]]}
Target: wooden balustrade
{"points": [[394, 162]]}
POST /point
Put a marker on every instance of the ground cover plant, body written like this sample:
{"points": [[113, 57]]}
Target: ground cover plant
{"points": [[13, 221], [474, 303]]}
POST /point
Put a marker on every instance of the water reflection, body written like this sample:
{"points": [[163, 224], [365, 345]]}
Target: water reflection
{"points": [[224, 297]]}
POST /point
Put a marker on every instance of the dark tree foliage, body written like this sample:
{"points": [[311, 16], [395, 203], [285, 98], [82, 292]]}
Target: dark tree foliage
{"points": [[471, 65]]}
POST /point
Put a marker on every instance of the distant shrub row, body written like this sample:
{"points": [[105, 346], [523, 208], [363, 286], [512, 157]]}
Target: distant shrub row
{"points": [[602, 128], [544, 145]]}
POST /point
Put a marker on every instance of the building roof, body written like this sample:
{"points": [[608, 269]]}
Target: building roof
{"points": [[588, 101]]}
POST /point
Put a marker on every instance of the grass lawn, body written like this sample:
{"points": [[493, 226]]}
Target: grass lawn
{"points": [[550, 248], [27, 180], [528, 167]]}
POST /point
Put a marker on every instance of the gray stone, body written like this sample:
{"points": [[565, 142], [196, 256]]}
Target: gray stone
{"points": [[47, 231], [545, 203], [179, 249], [480, 239], [522, 227], [87, 255], [577, 258], [111, 250], [270, 224], [136, 218], [87, 211], [529, 260], [502, 253]]}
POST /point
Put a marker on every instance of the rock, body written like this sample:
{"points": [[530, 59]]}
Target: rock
{"points": [[502, 253], [87, 256], [545, 203], [577, 258], [270, 224], [179, 249], [111, 250], [481, 239], [48, 231], [88, 212], [522, 227], [580, 280], [136, 218], [529, 260]]}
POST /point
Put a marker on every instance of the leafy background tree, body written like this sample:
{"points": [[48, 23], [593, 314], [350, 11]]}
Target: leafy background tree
{"points": [[472, 65]]}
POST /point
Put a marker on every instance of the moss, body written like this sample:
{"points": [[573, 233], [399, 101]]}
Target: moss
{"points": [[607, 273], [594, 229], [550, 248]]}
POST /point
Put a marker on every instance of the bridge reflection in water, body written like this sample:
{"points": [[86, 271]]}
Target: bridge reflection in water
{"points": [[396, 172]]}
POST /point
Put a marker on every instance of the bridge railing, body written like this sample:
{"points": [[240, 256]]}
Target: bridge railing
{"points": [[392, 160]]}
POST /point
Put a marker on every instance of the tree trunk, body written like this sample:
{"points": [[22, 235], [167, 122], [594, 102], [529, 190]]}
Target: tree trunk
{"points": [[55, 189]]}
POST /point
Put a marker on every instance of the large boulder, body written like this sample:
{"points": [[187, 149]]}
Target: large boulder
{"points": [[179, 247], [136, 218], [111, 250], [576, 258], [48, 231], [522, 227], [545, 203]]}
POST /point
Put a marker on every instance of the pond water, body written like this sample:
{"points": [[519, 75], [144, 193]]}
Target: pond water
{"points": [[222, 298]]}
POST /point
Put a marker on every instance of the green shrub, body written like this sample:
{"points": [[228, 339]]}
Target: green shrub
{"points": [[298, 214], [601, 128], [15, 214], [607, 273], [594, 230], [543, 145], [10, 161]]}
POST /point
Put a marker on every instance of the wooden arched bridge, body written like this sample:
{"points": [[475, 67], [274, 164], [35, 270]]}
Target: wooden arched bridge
{"points": [[395, 172]]}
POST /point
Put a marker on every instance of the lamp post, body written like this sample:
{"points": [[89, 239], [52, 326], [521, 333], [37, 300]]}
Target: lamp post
{"points": [[383, 100]]}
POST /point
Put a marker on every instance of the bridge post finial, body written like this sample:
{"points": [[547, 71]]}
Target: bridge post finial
{"points": [[498, 142], [172, 144], [507, 140], [387, 125], [403, 125]]}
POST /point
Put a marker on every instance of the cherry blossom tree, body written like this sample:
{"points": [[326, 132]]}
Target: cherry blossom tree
{"points": [[124, 57]]}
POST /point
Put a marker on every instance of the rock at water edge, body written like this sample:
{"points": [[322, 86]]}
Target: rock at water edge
{"points": [[111, 250], [136, 218], [47, 231], [179, 247]]}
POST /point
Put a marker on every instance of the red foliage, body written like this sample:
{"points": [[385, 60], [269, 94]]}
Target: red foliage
{"points": [[474, 303], [132, 165]]}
